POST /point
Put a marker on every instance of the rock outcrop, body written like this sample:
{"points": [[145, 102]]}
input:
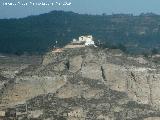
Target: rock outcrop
{"points": [[87, 83]]}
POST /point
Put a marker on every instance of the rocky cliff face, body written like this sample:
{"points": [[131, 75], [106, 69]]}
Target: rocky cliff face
{"points": [[87, 83]]}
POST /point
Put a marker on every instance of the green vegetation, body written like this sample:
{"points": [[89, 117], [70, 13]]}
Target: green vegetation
{"points": [[154, 51], [37, 34]]}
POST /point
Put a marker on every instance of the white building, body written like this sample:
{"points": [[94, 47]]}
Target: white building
{"points": [[88, 40], [74, 40]]}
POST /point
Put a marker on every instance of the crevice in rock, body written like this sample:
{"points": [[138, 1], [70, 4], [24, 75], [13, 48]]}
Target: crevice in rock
{"points": [[127, 84], [103, 74], [68, 65], [83, 63], [150, 90], [127, 80], [133, 76]]}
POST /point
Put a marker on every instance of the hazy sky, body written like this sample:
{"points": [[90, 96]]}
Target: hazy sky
{"points": [[80, 6]]}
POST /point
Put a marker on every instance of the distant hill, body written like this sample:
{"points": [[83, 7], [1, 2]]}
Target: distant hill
{"points": [[37, 34]]}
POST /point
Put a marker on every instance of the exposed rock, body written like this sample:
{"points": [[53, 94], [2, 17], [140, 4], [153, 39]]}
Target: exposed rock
{"points": [[35, 114], [152, 118], [103, 117], [69, 91], [29, 87], [75, 63], [93, 93], [91, 71], [86, 83], [76, 113], [2, 113]]}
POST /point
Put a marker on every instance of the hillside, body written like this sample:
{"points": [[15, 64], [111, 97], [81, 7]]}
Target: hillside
{"points": [[37, 34], [83, 84]]}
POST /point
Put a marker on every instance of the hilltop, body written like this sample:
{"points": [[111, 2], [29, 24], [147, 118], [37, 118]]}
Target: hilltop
{"points": [[38, 34]]}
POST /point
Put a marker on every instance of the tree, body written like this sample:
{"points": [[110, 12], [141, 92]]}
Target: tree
{"points": [[122, 47], [154, 51]]}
